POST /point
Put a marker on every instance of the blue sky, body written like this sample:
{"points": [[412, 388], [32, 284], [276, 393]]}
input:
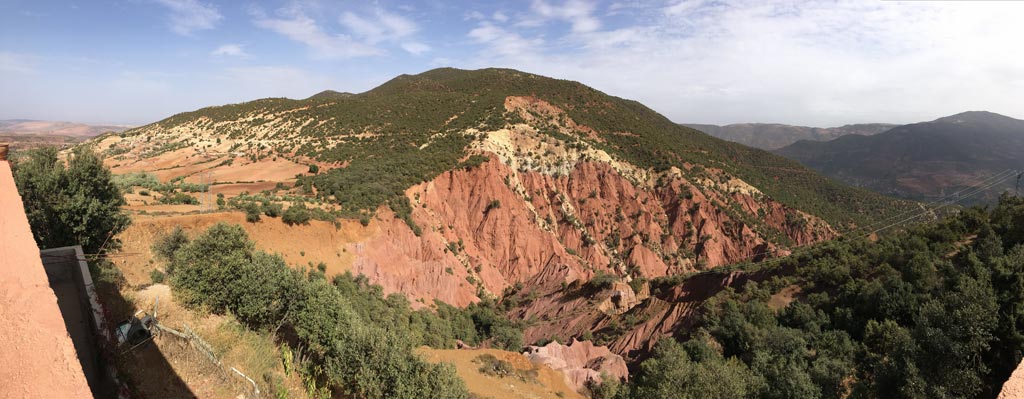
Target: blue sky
{"points": [[819, 63]]}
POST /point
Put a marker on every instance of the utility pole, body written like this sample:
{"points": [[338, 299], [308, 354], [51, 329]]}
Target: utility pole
{"points": [[209, 190]]}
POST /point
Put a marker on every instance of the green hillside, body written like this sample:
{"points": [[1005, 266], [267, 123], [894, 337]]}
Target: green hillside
{"points": [[412, 128], [923, 161]]}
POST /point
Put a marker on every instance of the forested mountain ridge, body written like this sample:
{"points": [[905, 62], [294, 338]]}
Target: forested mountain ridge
{"points": [[433, 116], [923, 161], [772, 136], [474, 185]]}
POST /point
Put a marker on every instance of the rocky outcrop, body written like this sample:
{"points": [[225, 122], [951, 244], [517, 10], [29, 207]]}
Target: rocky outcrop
{"points": [[502, 223], [491, 226], [634, 332], [620, 298], [579, 361]]}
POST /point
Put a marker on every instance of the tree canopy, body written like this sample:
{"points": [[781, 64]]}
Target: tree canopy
{"points": [[936, 311], [73, 204]]}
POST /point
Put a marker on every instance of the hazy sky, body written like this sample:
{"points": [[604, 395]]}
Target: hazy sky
{"points": [[819, 63]]}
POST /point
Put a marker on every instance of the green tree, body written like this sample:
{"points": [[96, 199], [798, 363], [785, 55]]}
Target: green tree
{"points": [[77, 204], [672, 374], [168, 244], [296, 214], [204, 268]]}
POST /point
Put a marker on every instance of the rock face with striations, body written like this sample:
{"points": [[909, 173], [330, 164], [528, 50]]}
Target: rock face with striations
{"points": [[579, 361]]}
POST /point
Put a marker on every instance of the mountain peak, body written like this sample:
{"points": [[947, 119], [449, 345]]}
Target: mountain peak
{"points": [[330, 94], [985, 117]]}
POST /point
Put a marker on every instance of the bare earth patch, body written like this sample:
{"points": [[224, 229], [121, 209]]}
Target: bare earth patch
{"points": [[547, 384]]}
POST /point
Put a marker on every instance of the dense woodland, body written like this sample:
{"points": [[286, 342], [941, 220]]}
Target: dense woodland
{"points": [[936, 311]]}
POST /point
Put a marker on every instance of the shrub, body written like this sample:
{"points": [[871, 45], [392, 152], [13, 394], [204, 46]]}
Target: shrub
{"points": [[491, 365], [177, 198], [473, 161], [296, 214], [156, 276], [168, 244], [252, 213], [272, 209], [602, 281]]}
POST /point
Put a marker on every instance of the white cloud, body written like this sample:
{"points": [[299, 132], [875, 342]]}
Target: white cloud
{"points": [[188, 16], [500, 16], [579, 13], [819, 62], [367, 34], [297, 26], [503, 43], [378, 27], [415, 48], [229, 50]]}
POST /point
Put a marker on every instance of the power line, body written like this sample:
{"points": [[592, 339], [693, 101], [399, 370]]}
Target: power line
{"points": [[944, 198], [977, 191], [949, 200]]}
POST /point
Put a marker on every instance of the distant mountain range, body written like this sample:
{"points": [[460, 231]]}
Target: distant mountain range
{"points": [[23, 134], [55, 128], [926, 160], [772, 136]]}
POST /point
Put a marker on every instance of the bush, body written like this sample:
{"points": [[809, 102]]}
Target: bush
{"points": [[296, 214], [79, 204], [473, 161], [491, 365], [177, 198], [157, 276], [602, 281], [252, 213], [272, 209], [168, 244]]}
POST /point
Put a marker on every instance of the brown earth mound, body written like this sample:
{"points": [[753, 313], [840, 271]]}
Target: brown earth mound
{"points": [[580, 361]]}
